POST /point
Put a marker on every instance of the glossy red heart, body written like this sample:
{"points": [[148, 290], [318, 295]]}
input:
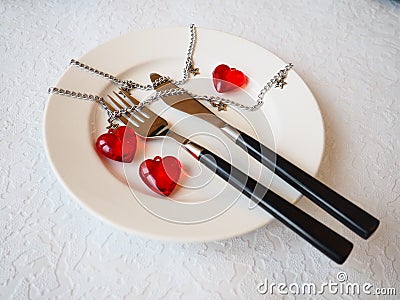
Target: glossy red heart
{"points": [[161, 174], [226, 78], [118, 144]]}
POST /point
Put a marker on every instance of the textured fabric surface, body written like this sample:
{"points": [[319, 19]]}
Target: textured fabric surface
{"points": [[348, 52]]}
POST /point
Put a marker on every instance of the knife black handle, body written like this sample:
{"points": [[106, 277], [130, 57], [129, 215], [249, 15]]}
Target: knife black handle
{"points": [[352, 216], [321, 237]]}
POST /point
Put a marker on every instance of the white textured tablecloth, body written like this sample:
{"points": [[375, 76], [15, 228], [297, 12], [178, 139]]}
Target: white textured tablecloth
{"points": [[348, 52]]}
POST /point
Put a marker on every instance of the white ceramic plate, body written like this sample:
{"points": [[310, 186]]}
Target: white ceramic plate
{"points": [[204, 208]]}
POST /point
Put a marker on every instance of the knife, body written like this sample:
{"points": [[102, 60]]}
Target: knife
{"points": [[352, 216]]}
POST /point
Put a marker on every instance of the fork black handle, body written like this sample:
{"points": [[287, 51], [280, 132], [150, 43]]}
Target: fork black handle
{"points": [[352, 216], [321, 237]]}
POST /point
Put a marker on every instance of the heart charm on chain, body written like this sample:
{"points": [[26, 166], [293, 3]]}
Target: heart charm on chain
{"points": [[118, 144]]}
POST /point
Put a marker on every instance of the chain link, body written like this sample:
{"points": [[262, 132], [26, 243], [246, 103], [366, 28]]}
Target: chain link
{"points": [[73, 94], [189, 66]]}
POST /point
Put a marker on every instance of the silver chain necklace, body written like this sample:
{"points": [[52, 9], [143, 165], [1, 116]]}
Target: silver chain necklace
{"points": [[221, 103]]}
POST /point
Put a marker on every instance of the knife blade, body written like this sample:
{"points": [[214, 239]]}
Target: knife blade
{"points": [[349, 214]]}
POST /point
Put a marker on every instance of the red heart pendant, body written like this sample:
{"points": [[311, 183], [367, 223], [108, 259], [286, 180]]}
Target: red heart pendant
{"points": [[118, 144], [226, 78], [161, 174]]}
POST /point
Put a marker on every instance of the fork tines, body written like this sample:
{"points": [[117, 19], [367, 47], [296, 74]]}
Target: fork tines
{"points": [[135, 117]]}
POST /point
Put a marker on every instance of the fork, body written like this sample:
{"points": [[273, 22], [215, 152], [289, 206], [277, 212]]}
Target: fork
{"points": [[148, 124]]}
